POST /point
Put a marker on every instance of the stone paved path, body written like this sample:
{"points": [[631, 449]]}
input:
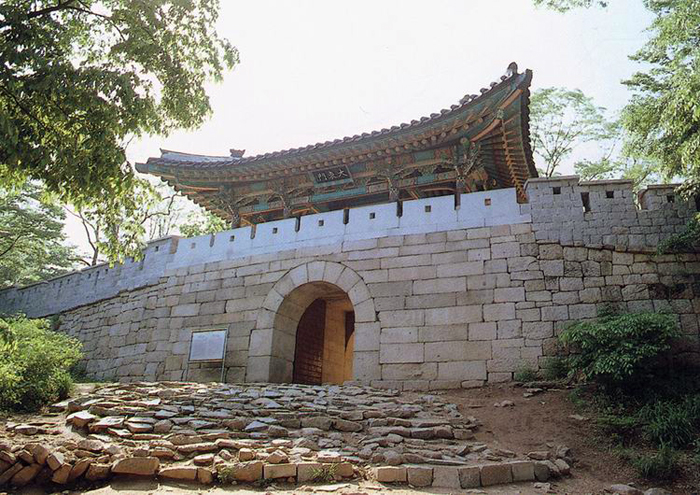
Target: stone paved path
{"points": [[270, 432]]}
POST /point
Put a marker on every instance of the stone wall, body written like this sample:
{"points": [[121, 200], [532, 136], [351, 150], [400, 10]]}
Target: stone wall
{"points": [[438, 309]]}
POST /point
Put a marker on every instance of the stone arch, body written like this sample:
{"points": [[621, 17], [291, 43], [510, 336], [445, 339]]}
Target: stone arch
{"points": [[272, 341]]}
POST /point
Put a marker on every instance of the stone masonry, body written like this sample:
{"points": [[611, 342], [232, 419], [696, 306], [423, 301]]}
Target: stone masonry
{"points": [[441, 309]]}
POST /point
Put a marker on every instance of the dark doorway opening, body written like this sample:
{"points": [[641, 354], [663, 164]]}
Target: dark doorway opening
{"points": [[325, 341], [308, 355]]}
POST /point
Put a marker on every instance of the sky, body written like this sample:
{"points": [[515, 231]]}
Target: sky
{"points": [[317, 70]]}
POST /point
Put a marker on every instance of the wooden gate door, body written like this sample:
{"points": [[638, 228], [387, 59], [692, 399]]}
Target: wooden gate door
{"points": [[308, 355]]}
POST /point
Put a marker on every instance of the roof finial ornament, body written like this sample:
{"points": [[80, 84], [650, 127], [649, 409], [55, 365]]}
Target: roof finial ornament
{"points": [[512, 69]]}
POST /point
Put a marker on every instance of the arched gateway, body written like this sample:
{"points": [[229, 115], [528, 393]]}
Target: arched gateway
{"points": [[312, 326]]}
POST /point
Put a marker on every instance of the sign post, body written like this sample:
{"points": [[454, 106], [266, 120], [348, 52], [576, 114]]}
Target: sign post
{"points": [[208, 346]]}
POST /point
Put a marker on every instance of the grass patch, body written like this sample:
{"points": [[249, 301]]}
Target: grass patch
{"points": [[524, 374], [225, 473], [325, 473], [661, 465], [673, 423], [648, 416], [657, 433], [579, 400]]}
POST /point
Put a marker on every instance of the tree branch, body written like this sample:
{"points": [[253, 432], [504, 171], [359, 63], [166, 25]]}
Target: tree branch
{"points": [[87, 226], [49, 10], [12, 245]]}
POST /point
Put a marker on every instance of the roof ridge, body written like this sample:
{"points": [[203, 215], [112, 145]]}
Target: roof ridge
{"points": [[164, 151]]}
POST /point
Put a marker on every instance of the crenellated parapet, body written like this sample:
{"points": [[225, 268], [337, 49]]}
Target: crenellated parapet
{"points": [[561, 209], [89, 285], [605, 213]]}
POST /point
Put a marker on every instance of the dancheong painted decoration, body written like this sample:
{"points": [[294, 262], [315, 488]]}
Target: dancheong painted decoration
{"points": [[480, 144]]}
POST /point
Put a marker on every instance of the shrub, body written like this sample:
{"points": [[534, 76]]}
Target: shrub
{"points": [[525, 373], [226, 473], [687, 241], [661, 465], [555, 368], [615, 348], [34, 364]]}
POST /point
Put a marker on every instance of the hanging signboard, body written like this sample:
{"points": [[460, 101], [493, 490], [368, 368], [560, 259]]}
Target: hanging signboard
{"points": [[331, 176]]}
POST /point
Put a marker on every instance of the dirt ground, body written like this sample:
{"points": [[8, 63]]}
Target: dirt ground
{"points": [[534, 423], [546, 418]]}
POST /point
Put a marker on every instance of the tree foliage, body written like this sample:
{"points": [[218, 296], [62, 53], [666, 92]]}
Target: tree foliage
{"points": [[32, 243], [118, 230], [663, 117], [566, 5], [153, 212], [562, 119], [80, 78], [640, 171], [201, 223]]}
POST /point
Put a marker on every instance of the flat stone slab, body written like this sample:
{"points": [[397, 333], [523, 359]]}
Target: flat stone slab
{"points": [[141, 466]]}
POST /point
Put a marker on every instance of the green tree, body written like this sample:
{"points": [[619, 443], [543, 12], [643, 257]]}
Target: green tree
{"points": [[619, 164], [80, 78], [32, 244], [157, 211], [116, 232], [200, 223], [566, 5], [562, 119], [641, 171], [663, 117]]}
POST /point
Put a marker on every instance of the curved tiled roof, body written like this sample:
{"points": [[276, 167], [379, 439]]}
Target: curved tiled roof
{"points": [[172, 161]]}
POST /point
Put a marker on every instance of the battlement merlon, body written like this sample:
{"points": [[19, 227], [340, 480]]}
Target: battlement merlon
{"points": [[655, 196], [90, 284]]}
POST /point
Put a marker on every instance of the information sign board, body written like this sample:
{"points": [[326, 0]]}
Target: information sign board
{"points": [[208, 345]]}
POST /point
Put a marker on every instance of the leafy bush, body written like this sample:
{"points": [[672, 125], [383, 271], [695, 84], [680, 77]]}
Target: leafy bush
{"points": [[661, 465], [525, 373], [34, 364], [615, 348], [687, 241]]}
